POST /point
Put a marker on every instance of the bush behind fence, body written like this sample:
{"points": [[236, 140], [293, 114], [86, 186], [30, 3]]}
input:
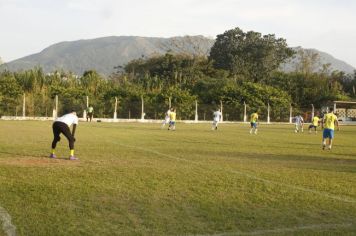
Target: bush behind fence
{"points": [[132, 109]]}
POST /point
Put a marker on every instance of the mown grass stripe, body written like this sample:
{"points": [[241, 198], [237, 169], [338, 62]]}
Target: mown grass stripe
{"points": [[322, 227], [271, 182]]}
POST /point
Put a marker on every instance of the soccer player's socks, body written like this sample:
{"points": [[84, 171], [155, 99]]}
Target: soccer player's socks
{"points": [[72, 152], [53, 151]]}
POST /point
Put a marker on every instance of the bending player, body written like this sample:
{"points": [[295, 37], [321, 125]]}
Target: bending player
{"points": [[62, 125]]}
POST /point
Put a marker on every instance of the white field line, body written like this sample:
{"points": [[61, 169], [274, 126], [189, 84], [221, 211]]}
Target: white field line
{"points": [[7, 226], [251, 176], [322, 227]]}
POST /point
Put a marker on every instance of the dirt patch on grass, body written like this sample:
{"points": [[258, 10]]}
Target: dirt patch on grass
{"points": [[37, 161]]}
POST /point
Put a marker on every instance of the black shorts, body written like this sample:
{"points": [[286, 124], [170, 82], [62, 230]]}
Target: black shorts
{"points": [[58, 128]]}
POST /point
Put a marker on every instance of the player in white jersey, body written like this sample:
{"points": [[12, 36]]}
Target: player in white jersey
{"points": [[216, 119], [166, 118], [299, 122], [62, 125]]}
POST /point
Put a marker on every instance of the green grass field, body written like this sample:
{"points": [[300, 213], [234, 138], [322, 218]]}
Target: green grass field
{"points": [[136, 179]]}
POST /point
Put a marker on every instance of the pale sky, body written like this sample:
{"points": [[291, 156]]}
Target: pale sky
{"points": [[29, 26]]}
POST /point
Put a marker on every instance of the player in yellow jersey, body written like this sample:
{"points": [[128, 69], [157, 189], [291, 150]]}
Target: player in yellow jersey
{"points": [[253, 122], [314, 124], [172, 119], [328, 124]]}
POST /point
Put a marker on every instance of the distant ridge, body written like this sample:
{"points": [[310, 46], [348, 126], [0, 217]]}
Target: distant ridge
{"points": [[322, 59], [103, 54]]}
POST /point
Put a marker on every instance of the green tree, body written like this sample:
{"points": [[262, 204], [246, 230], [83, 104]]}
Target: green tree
{"points": [[251, 55], [167, 71], [308, 62], [10, 92], [349, 84]]}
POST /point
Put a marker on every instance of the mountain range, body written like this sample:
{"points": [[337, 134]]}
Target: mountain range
{"points": [[103, 54]]}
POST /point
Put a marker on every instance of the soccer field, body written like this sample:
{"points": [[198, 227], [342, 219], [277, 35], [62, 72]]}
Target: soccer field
{"points": [[136, 179]]}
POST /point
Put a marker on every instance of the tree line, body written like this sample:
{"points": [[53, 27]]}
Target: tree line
{"points": [[243, 67]]}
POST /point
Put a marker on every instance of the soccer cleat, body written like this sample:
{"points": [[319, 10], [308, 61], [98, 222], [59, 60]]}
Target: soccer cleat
{"points": [[323, 147], [73, 158], [52, 156]]}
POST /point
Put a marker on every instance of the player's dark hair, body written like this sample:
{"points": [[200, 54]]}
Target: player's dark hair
{"points": [[331, 109]]}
